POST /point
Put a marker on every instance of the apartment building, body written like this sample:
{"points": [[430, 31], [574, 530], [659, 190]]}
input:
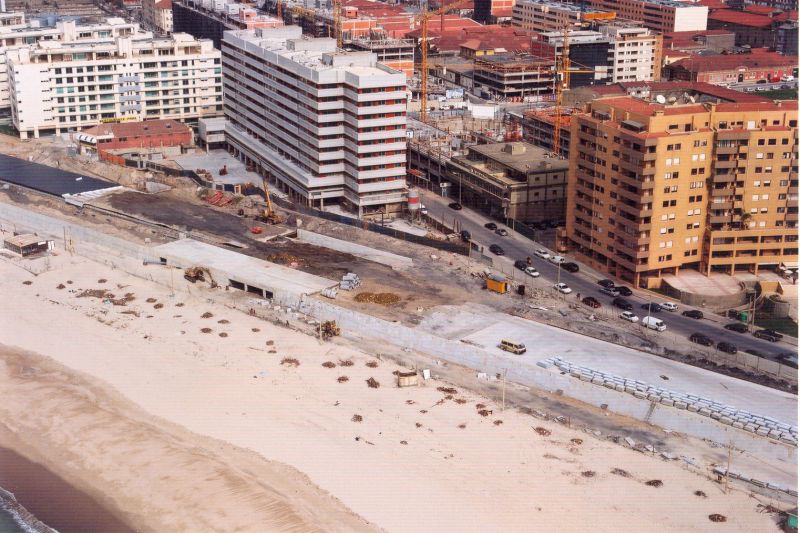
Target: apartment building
{"points": [[16, 32], [547, 15], [157, 14], [662, 16], [328, 126], [684, 176], [210, 19], [64, 86]]}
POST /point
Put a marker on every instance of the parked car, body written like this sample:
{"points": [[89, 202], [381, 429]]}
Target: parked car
{"points": [[738, 327], [522, 265], [651, 322], [570, 267], [497, 250], [591, 302], [465, 235], [541, 252], [630, 317], [727, 347], [773, 333], [557, 259], [623, 290], [652, 307], [490, 225], [669, 306], [702, 340], [622, 303], [455, 205], [693, 313], [610, 291], [562, 288], [532, 272], [605, 283], [788, 359], [502, 232], [766, 335]]}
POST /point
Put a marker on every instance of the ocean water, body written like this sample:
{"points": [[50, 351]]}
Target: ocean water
{"points": [[12, 522]]}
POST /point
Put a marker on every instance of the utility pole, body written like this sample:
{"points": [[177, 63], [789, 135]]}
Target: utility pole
{"points": [[728, 468], [504, 389]]}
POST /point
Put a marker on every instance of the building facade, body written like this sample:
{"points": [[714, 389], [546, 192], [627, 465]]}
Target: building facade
{"points": [[733, 68], [511, 77], [157, 14], [696, 177], [514, 180], [547, 15], [210, 19], [329, 126], [59, 87], [662, 16], [149, 134]]}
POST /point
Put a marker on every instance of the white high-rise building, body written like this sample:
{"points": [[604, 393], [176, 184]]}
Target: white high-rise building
{"points": [[63, 86], [328, 125], [15, 33]]}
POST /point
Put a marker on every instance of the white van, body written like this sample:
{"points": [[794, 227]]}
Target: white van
{"points": [[652, 322], [513, 347]]}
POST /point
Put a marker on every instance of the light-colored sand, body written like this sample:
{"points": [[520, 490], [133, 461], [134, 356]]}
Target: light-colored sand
{"points": [[435, 477]]}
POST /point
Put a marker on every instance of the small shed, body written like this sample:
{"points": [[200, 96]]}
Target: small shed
{"points": [[27, 244], [407, 379], [497, 283]]}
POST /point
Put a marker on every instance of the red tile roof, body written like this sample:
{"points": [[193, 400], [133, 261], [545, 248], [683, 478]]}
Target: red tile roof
{"points": [[706, 88], [729, 16], [677, 39], [164, 4], [138, 129], [761, 59]]}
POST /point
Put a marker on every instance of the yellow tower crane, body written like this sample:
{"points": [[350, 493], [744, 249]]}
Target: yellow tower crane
{"points": [[561, 83]]}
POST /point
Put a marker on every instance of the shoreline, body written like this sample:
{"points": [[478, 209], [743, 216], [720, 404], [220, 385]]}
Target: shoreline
{"points": [[46, 502]]}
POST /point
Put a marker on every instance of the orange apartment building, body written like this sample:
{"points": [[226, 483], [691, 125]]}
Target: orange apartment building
{"points": [[683, 176]]}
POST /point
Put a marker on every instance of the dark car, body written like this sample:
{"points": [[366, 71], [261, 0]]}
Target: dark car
{"points": [[727, 347], [624, 291], [490, 225], [570, 267], [693, 313], [702, 340], [502, 232], [773, 333], [605, 283], [497, 250], [788, 359], [652, 307], [465, 235], [738, 327], [766, 335], [456, 206], [622, 303], [591, 302], [522, 265], [610, 291]]}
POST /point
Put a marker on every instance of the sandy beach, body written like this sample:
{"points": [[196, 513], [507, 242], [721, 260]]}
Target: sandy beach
{"points": [[174, 429]]}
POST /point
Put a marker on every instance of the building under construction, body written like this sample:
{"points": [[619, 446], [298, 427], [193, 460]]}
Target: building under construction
{"points": [[209, 19], [538, 127], [513, 78], [394, 53]]}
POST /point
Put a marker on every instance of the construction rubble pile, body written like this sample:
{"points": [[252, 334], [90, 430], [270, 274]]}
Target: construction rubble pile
{"points": [[382, 298], [349, 281], [763, 426]]}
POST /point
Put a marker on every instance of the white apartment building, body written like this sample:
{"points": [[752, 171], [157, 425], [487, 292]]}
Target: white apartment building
{"points": [[663, 16], [547, 15], [157, 14], [634, 54], [16, 33], [329, 126], [57, 86]]}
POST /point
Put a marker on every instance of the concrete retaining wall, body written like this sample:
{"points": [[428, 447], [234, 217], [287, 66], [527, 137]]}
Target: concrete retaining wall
{"points": [[716, 302], [378, 256]]}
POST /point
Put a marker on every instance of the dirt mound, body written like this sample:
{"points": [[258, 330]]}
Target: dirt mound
{"points": [[381, 298]]}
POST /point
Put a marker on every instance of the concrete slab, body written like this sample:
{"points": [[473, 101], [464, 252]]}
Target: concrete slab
{"points": [[228, 265], [696, 283]]}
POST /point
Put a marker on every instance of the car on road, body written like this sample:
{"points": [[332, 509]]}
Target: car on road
{"points": [[520, 264], [652, 307], [570, 267], [693, 313], [562, 288], [605, 283], [738, 327], [788, 359], [610, 291], [623, 290], [455, 205], [502, 232], [490, 225], [622, 303], [630, 317], [727, 347], [767, 335], [651, 322], [557, 259], [702, 340], [773, 333], [591, 302], [497, 250], [465, 235], [669, 306], [541, 252], [532, 272]]}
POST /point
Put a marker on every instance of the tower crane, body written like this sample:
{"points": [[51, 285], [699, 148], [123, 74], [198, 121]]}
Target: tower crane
{"points": [[562, 81], [337, 21], [424, 17]]}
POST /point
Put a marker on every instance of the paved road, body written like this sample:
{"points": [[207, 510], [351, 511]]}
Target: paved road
{"points": [[517, 246]]}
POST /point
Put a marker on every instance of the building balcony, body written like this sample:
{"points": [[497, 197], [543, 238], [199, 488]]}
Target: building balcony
{"points": [[372, 187]]}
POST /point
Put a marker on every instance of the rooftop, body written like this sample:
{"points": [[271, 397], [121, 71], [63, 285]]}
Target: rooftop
{"points": [[521, 156], [761, 59], [740, 18], [137, 129], [561, 6], [49, 180]]}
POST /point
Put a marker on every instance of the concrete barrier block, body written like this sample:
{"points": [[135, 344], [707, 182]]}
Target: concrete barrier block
{"points": [[544, 364], [715, 415], [705, 411], [738, 425], [597, 380], [762, 431], [726, 420], [639, 394], [584, 377], [654, 397], [630, 442], [629, 389], [575, 374], [774, 433], [620, 388], [681, 405], [609, 384], [751, 428], [757, 482], [693, 407], [667, 401]]}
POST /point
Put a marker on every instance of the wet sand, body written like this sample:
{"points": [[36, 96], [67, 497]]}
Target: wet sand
{"points": [[52, 500]]}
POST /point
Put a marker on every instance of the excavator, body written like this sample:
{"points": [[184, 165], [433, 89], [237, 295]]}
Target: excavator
{"points": [[269, 215], [199, 273]]}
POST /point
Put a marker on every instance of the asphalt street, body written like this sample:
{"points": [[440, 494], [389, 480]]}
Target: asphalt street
{"points": [[517, 246]]}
